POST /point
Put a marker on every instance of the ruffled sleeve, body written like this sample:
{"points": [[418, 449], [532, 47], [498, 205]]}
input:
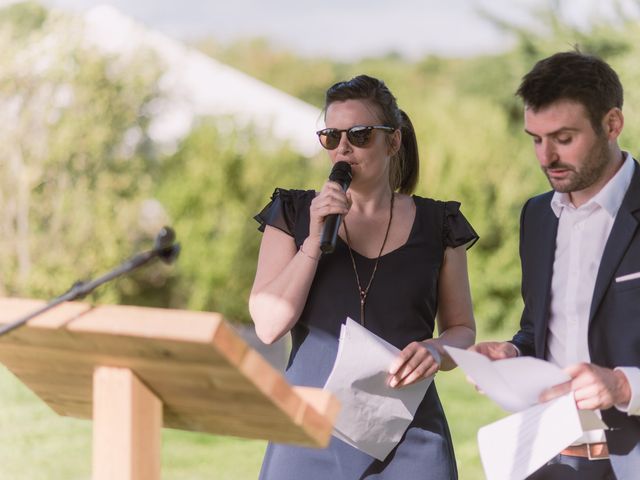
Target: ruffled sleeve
{"points": [[456, 229], [288, 211]]}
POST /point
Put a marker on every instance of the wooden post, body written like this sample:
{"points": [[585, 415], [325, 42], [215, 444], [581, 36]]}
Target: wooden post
{"points": [[127, 423]]}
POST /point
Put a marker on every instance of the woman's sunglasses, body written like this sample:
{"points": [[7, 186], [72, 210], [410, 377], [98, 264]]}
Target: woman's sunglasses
{"points": [[358, 136]]}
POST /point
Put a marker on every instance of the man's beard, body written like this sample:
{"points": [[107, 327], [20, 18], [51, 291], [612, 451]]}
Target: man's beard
{"points": [[588, 173]]}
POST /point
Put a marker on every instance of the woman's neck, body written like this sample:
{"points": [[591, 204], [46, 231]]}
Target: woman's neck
{"points": [[369, 202]]}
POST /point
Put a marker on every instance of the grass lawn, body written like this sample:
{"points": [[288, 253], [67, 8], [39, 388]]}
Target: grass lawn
{"points": [[36, 443]]}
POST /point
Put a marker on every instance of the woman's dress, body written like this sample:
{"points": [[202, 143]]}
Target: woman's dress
{"points": [[401, 308]]}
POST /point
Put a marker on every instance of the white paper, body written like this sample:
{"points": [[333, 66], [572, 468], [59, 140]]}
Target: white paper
{"points": [[590, 420], [518, 445], [373, 416], [514, 383]]}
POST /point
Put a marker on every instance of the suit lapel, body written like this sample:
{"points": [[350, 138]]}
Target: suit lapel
{"points": [[540, 248], [624, 228], [546, 254]]}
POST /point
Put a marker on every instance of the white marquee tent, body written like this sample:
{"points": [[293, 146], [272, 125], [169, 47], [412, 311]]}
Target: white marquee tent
{"points": [[193, 84]]}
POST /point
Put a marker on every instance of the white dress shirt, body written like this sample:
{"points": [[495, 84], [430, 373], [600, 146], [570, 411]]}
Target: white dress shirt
{"points": [[580, 241]]}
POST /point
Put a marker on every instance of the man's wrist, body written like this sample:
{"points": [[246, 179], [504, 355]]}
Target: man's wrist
{"points": [[515, 349], [623, 390]]}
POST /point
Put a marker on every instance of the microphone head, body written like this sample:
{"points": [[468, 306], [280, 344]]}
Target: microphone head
{"points": [[165, 246], [341, 173], [165, 238], [168, 255]]}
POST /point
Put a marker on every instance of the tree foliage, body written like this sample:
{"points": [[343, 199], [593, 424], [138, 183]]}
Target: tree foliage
{"points": [[73, 163], [73, 184], [469, 126]]}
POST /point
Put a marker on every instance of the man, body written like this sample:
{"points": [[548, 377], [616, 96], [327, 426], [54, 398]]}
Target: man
{"points": [[580, 255]]}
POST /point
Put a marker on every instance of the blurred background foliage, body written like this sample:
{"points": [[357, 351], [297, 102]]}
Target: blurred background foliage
{"points": [[82, 187]]}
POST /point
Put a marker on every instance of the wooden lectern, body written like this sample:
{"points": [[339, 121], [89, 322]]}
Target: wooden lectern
{"points": [[134, 370]]}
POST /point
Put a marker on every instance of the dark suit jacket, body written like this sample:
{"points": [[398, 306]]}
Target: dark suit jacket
{"points": [[614, 323]]}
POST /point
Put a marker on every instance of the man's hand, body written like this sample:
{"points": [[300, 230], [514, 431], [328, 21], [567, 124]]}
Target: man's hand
{"points": [[495, 350], [594, 387]]}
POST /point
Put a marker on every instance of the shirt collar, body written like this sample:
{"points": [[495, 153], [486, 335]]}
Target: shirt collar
{"points": [[609, 197]]}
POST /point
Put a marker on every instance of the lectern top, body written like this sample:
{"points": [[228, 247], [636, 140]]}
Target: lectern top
{"points": [[206, 375]]}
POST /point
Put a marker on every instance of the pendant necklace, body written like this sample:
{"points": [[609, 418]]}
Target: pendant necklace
{"points": [[365, 291]]}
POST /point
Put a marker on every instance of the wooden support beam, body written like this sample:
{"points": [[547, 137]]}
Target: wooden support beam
{"points": [[127, 423]]}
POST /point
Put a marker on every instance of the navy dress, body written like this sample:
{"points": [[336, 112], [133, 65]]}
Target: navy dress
{"points": [[401, 308]]}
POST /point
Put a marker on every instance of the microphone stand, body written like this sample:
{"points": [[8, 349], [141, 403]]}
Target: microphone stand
{"points": [[164, 249]]}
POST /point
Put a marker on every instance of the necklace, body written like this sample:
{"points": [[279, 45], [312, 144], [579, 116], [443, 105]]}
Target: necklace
{"points": [[365, 291]]}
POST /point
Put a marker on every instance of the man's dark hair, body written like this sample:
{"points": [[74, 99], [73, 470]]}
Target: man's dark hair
{"points": [[576, 76]]}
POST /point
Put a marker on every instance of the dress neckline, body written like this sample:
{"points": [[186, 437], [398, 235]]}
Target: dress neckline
{"points": [[411, 234]]}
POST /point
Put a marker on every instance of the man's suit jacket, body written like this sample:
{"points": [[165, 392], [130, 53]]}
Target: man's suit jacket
{"points": [[614, 322]]}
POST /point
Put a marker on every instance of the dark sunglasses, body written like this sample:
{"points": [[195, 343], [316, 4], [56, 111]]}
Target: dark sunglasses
{"points": [[358, 136]]}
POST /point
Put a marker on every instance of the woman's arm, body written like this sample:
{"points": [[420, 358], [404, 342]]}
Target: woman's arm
{"points": [[284, 274], [283, 278], [456, 324]]}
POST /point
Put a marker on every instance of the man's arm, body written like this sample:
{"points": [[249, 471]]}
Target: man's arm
{"points": [[524, 339]]}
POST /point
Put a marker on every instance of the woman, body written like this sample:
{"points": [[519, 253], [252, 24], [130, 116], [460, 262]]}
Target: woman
{"points": [[399, 259]]}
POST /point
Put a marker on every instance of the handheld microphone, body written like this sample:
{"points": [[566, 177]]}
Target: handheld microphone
{"points": [[340, 173]]}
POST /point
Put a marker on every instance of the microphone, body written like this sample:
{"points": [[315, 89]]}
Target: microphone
{"points": [[164, 248], [340, 173], [164, 245]]}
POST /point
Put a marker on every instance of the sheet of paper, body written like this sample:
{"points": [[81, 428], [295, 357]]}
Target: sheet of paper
{"points": [[373, 416], [514, 383], [590, 420], [516, 446]]}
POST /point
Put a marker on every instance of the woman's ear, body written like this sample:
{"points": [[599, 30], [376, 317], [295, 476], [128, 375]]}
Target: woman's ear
{"points": [[395, 141]]}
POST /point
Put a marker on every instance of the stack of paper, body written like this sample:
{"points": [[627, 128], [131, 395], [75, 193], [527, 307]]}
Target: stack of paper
{"points": [[373, 416]]}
